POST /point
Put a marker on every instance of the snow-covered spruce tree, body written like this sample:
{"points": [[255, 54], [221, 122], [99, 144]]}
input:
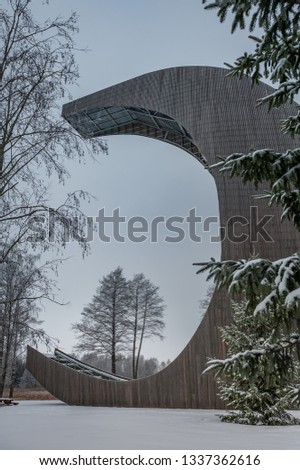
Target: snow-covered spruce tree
{"points": [[276, 57], [257, 378], [268, 287]]}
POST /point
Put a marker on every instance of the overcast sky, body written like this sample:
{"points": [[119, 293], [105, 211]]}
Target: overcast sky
{"points": [[142, 177]]}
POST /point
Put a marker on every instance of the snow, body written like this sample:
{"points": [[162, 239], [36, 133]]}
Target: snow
{"points": [[293, 297], [267, 301], [52, 425]]}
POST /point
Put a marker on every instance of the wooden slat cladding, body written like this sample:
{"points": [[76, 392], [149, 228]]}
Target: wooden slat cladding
{"points": [[221, 116]]}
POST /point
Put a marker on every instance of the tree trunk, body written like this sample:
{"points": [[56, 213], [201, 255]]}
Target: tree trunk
{"points": [[141, 342], [134, 371], [6, 346], [12, 377], [113, 340], [1, 128], [4, 370], [14, 360], [1, 359], [113, 360], [1, 254]]}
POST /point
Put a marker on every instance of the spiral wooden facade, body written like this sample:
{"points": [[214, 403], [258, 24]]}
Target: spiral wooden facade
{"points": [[207, 114]]}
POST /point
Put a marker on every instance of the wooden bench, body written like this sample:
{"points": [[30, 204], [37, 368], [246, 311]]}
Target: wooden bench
{"points": [[7, 401]]}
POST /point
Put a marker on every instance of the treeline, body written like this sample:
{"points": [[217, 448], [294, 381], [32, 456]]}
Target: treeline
{"points": [[22, 379], [124, 364]]}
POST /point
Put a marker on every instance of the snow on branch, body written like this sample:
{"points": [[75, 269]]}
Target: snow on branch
{"points": [[243, 358], [265, 283], [280, 170]]}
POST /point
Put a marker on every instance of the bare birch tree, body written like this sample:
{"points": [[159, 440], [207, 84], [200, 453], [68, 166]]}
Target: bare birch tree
{"points": [[25, 284], [104, 325], [121, 315], [146, 310], [37, 69]]}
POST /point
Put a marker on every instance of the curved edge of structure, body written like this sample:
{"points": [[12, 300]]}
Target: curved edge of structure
{"points": [[218, 116]]}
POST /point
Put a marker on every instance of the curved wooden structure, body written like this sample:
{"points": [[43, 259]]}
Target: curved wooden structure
{"points": [[207, 114]]}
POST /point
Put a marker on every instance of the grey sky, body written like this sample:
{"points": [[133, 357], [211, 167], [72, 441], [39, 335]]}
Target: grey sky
{"points": [[127, 38]]}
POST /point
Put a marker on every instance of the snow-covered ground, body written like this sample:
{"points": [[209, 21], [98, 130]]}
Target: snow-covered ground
{"points": [[54, 425]]}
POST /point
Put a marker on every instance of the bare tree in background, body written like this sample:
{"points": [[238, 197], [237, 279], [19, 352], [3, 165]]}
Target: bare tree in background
{"points": [[147, 367], [25, 283], [121, 315], [146, 310], [104, 325]]}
